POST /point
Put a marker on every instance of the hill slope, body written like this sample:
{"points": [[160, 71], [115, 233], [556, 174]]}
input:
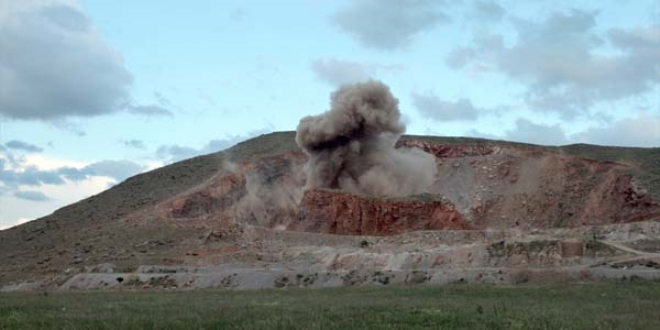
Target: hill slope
{"points": [[226, 207]]}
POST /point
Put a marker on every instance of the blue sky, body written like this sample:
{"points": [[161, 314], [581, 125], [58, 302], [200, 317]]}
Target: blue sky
{"points": [[92, 91]]}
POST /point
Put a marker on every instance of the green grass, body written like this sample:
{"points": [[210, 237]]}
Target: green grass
{"points": [[609, 305]]}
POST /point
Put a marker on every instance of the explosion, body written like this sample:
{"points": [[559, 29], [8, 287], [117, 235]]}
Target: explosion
{"points": [[351, 147]]}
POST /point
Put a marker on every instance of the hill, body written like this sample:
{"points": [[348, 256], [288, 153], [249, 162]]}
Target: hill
{"points": [[242, 218]]}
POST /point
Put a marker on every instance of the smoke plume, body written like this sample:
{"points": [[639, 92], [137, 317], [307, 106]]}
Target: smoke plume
{"points": [[351, 147]]}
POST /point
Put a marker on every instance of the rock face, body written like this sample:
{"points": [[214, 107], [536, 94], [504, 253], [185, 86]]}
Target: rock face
{"points": [[347, 214], [214, 198], [264, 193], [622, 200], [486, 185], [440, 150], [523, 205]]}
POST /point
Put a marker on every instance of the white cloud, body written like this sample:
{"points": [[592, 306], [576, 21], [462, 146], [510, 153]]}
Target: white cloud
{"points": [[640, 131], [81, 75], [9, 224], [560, 62], [389, 24], [435, 108], [23, 146], [31, 195], [529, 132], [174, 153], [54, 64], [48, 163], [15, 210], [149, 110], [34, 185]]}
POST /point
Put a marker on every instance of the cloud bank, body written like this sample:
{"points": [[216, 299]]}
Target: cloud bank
{"points": [[559, 61]]}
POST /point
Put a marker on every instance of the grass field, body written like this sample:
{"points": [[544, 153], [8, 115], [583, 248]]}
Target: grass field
{"points": [[620, 305]]}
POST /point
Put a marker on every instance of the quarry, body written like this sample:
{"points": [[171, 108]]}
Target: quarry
{"points": [[349, 200]]}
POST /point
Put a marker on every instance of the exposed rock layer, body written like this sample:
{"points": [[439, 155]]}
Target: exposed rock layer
{"points": [[245, 205], [479, 186], [343, 213]]}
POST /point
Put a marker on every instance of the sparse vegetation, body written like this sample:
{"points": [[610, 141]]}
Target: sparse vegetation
{"points": [[647, 245], [599, 249], [645, 161], [605, 305]]}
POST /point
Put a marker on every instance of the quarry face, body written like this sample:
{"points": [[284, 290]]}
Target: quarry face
{"points": [[476, 188], [348, 200], [357, 176]]}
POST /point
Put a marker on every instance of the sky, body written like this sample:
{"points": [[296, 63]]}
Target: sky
{"points": [[93, 92]]}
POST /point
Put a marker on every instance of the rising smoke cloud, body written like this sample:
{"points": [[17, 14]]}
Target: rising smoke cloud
{"points": [[351, 147]]}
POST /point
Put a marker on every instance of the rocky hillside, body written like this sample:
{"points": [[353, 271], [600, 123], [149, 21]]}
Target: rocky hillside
{"points": [[480, 185], [207, 210]]}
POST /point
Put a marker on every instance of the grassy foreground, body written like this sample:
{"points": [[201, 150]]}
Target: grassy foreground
{"points": [[629, 305]]}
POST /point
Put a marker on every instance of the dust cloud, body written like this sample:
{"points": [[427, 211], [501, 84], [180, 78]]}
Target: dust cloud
{"points": [[268, 198], [351, 147]]}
